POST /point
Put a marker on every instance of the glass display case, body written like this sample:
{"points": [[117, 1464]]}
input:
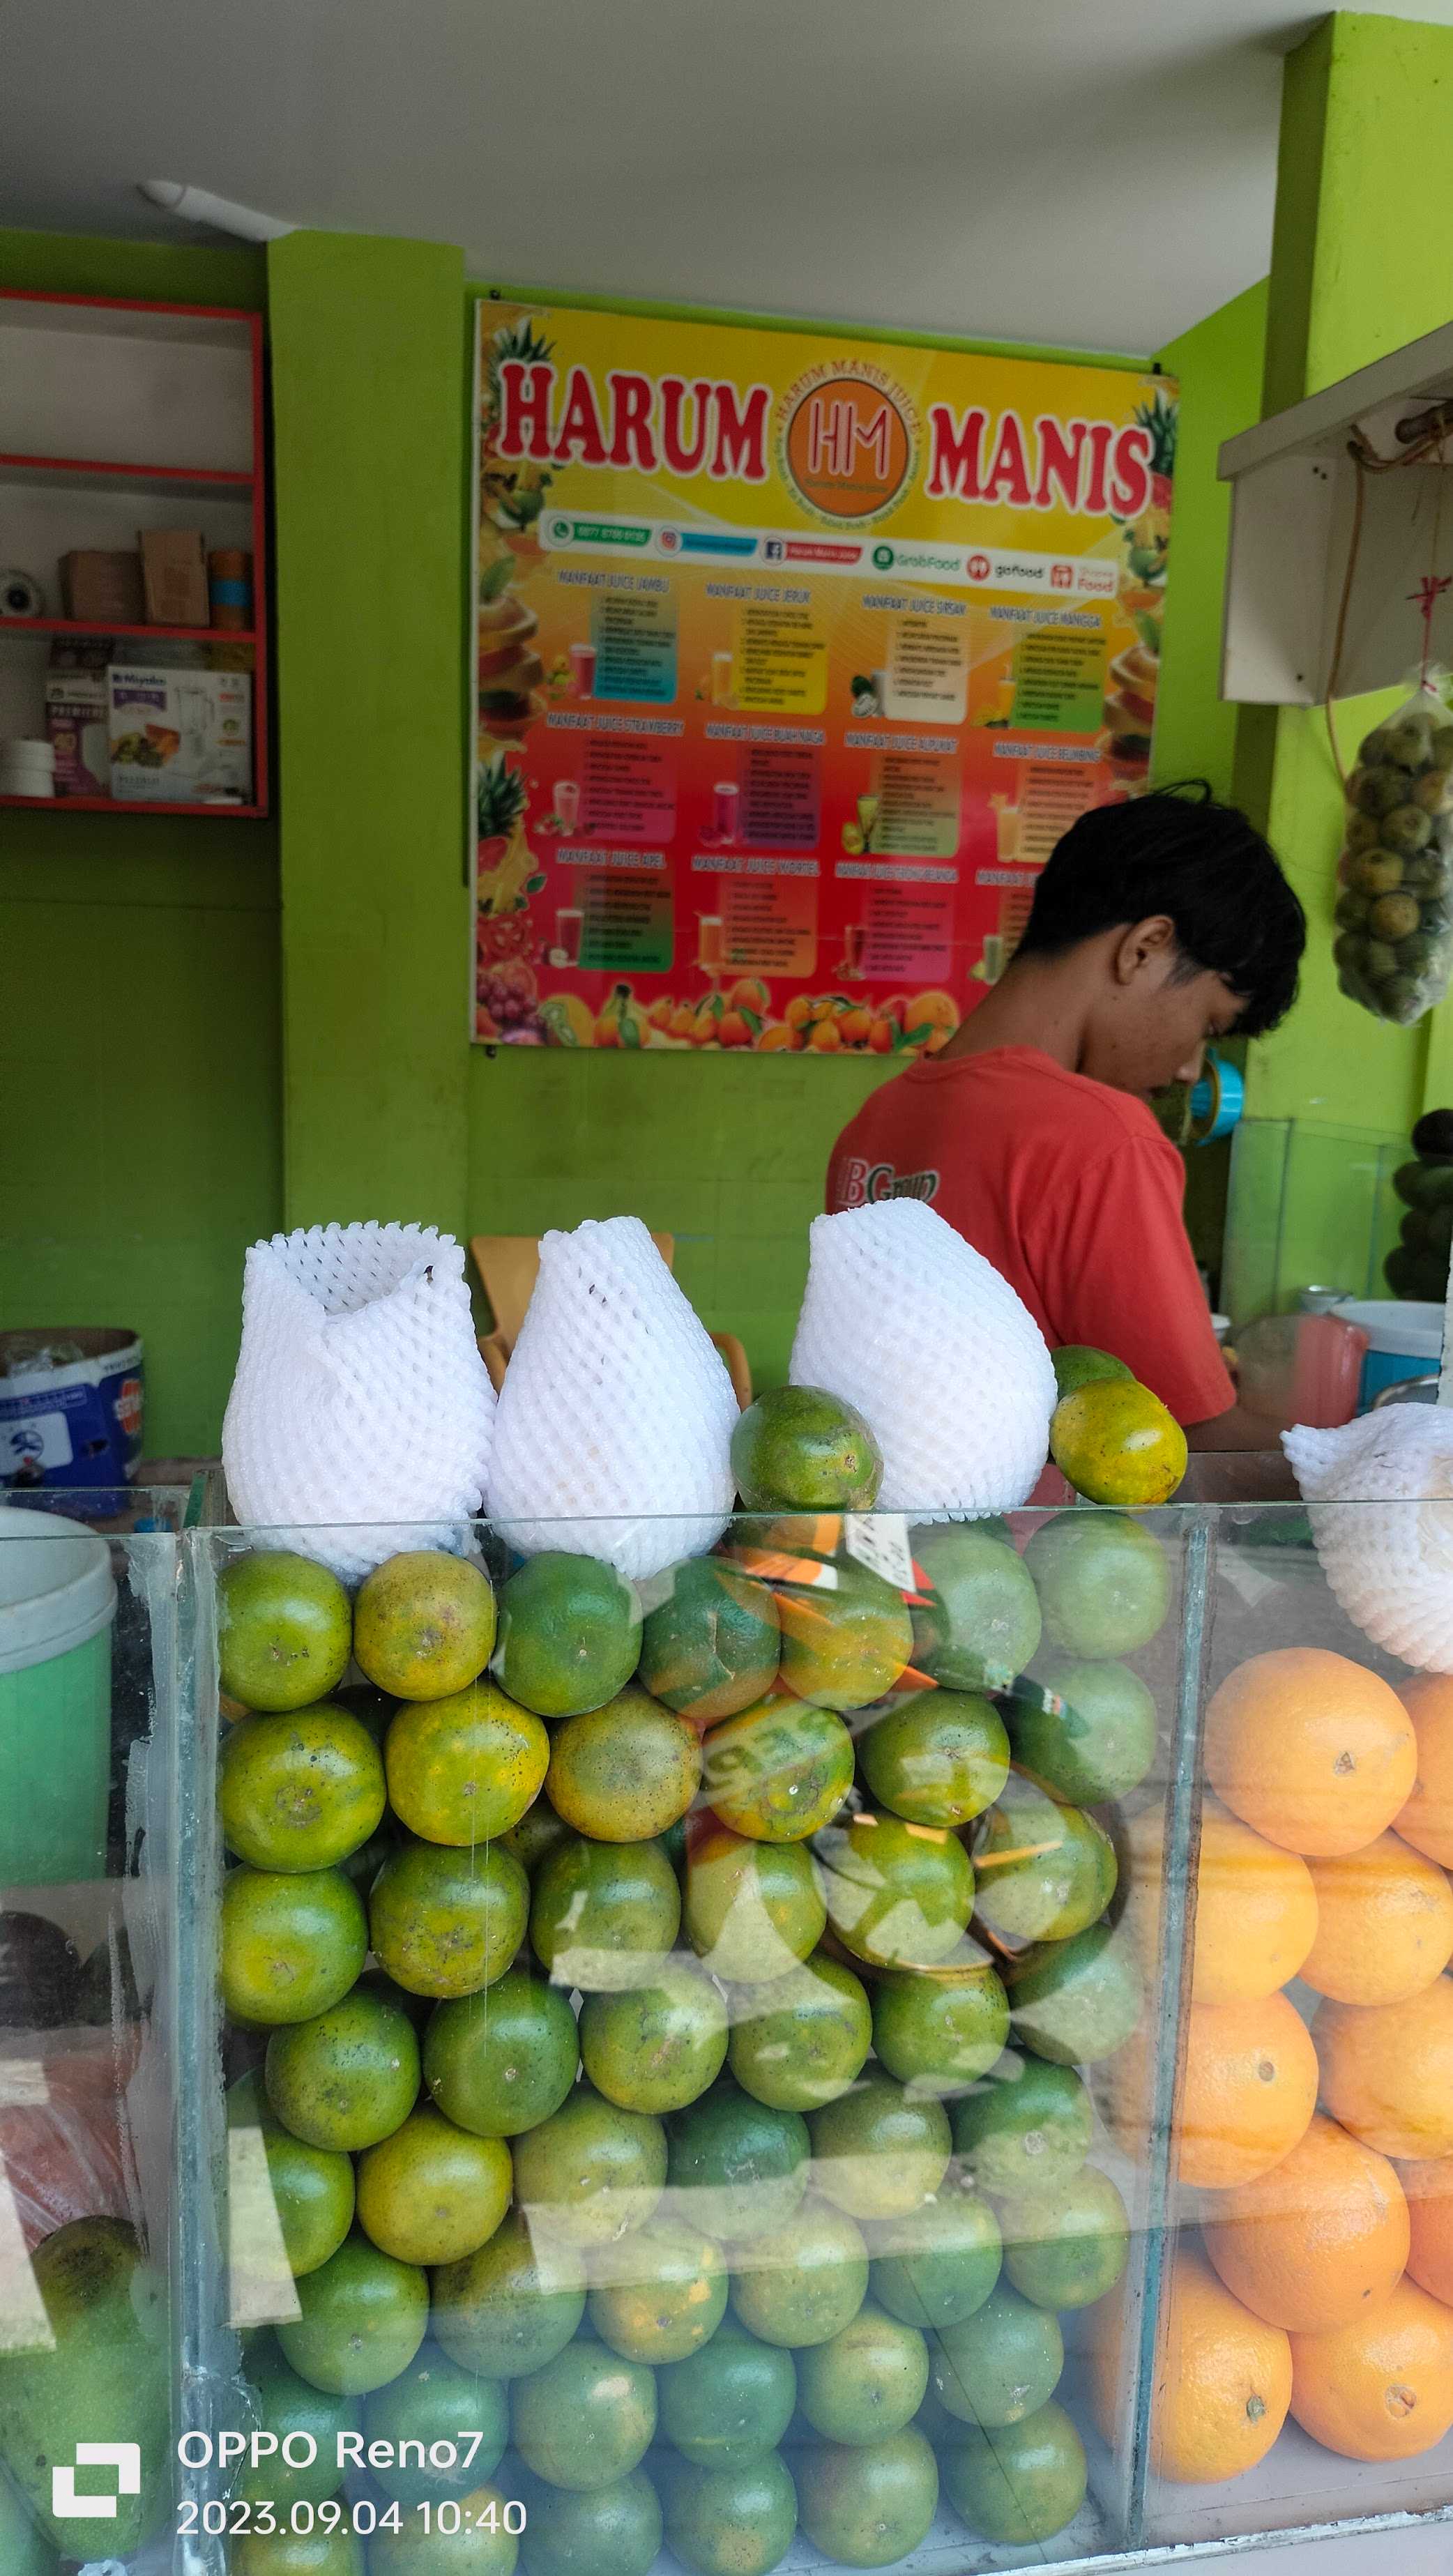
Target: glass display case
{"points": [[874, 2044]]}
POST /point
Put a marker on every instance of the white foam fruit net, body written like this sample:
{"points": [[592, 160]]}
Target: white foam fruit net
{"points": [[1380, 1493], [903, 1319], [614, 1427], [361, 1414]]}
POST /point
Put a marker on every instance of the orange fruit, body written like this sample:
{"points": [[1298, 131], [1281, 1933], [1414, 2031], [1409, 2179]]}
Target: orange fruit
{"points": [[750, 992], [798, 1011], [1223, 2379], [1387, 2071], [1256, 1908], [825, 1037], [881, 1036], [661, 1013], [1311, 1749], [733, 1030], [779, 1038], [1429, 2190], [932, 1010], [1380, 2388], [1384, 1924], [1249, 2092], [855, 1027], [1426, 1820], [1316, 2241]]}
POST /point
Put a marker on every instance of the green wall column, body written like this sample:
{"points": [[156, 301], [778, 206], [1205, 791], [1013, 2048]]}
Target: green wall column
{"points": [[1362, 261], [368, 352]]}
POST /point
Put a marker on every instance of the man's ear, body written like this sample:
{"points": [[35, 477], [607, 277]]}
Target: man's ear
{"points": [[1146, 943]]}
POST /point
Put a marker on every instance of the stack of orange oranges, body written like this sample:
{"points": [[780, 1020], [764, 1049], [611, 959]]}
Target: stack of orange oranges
{"points": [[1325, 2289]]}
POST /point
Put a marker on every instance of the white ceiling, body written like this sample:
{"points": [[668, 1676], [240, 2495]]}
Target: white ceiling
{"points": [[1085, 172]]}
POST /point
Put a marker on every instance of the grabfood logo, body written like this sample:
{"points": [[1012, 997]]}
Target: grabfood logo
{"points": [[123, 2457], [847, 442]]}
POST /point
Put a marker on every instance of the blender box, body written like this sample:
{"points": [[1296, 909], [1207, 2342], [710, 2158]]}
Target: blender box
{"points": [[77, 724], [180, 737]]}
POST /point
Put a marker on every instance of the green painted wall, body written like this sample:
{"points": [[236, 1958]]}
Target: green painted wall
{"points": [[1362, 261], [139, 1035], [1219, 364]]}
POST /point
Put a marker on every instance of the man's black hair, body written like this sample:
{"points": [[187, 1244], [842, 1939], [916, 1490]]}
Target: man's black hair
{"points": [[1180, 853]]}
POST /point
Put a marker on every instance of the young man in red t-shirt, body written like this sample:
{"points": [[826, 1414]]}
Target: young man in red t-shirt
{"points": [[1157, 925]]}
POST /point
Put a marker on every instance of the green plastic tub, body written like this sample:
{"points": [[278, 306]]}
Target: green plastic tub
{"points": [[57, 1603]]}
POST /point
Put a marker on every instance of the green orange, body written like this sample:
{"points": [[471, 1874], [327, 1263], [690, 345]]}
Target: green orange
{"points": [[511, 2307], [940, 2030], [586, 2419], [801, 2283], [1026, 2127], [656, 2047], [363, 2319], [934, 2265], [801, 2040], [778, 1771], [1067, 2248], [501, 2061], [1000, 2364], [483, 2545], [569, 1634], [603, 1915], [736, 2166], [936, 1757], [879, 2151], [591, 2170], [287, 2407], [1103, 1582], [1042, 1871], [284, 1630], [977, 1622], [299, 1790], [464, 1769], [1076, 1364], [711, 1641], [585, 2530], [1098, 1743], [292, 1943], [800, 1447], [433, 2193], [311, 2187], [730, 2402], [423, 1623], [660, 2294], [1117, 1443], [446, 1922], [537, 1833], [436, 2405], [734, 2521], [1020, 2484], [752, 1908], [869, 2381], [898, 1895], [624, 1772], [845, 1646], [291, 2553], [348, 2077], [868, 2507], [1075, 2001]]}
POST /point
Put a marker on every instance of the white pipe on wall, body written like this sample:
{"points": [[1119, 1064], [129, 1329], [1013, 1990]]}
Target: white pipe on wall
{"points": [[198, 206]]}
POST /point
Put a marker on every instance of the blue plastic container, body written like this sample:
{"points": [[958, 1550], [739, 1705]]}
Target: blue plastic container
{"points": [[74, 1423], [1404, 1339]]}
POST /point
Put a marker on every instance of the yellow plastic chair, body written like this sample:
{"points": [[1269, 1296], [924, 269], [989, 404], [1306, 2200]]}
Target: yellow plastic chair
{"points": [[508, 1266]]}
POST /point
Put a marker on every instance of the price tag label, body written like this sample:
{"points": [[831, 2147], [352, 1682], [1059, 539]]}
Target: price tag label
{"points": [[879, 1540]]}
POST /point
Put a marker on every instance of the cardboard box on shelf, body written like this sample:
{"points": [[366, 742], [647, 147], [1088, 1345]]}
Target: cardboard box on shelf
{"points": [[180, 737], [174, 565], [104, 587]]}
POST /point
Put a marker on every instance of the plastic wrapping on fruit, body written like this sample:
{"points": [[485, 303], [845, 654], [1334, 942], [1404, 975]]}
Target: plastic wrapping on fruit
{"points": [[613, 1433], [361, 1414], [1381, 1492], [904, 1320]]}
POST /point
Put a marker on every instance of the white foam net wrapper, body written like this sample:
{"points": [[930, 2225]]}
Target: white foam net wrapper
{"points": [[614, 1427], [1380, 1492], [361, 1414], [903, 1319]]}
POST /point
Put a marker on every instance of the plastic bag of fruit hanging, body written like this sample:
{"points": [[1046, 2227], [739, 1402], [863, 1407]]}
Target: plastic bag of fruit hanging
{"points": [[1394, 949]]}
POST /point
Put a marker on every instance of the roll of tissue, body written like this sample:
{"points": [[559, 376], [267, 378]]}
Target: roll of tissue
{"points": [[20, 594]]}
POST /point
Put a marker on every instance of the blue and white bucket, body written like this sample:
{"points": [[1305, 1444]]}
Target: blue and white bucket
{"points": [[71, 1401], [1404, 1339]]}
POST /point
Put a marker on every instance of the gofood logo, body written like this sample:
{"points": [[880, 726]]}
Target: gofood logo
{"points": [[123, 2457]]}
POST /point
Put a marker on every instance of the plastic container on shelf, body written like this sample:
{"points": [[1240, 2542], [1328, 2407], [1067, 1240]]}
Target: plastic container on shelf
{"points": [[1404, 1339], [57, 1609]]}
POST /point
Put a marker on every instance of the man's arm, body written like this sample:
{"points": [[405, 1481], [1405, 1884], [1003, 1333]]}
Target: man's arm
{"points": [[1117, 1272]]}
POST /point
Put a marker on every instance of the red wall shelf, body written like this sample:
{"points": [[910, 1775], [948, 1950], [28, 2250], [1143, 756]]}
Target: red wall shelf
{"points": [[131, 805], [84, 626]]}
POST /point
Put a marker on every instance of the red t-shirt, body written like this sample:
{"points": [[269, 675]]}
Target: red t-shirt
{"points": [[1069, 1188]]}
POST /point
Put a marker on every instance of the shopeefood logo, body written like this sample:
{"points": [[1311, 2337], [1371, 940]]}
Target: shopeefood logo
{"points": [[123, 2457], [847, 442]]}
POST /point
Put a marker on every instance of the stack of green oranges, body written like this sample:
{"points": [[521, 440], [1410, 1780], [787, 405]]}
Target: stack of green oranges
{"points": [[660, 2014]]}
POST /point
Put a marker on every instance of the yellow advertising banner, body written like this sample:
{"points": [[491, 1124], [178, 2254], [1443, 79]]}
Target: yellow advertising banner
{"points": [[794, 658]]}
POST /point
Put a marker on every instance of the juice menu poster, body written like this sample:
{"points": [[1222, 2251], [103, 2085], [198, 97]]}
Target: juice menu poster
{"points": [[795, 656]]}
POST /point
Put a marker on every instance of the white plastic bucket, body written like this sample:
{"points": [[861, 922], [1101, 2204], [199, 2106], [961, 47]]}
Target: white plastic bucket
{"points": [[1404, 1339], [57, 1603]]}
